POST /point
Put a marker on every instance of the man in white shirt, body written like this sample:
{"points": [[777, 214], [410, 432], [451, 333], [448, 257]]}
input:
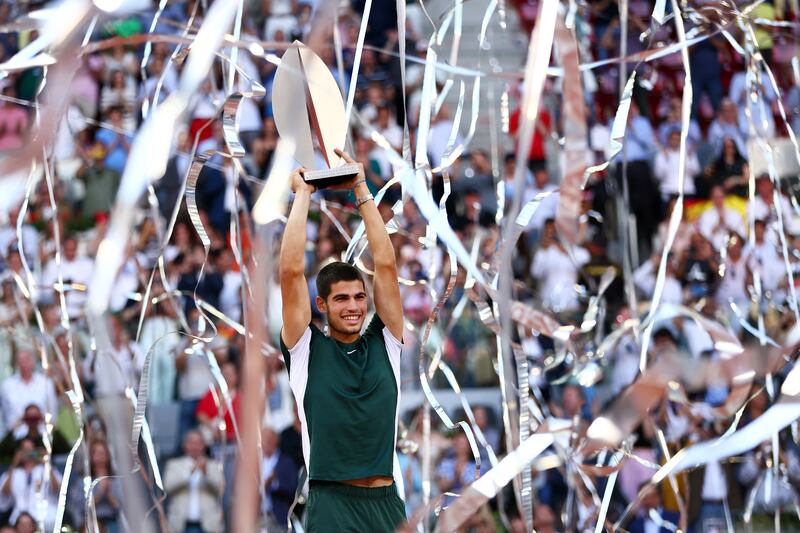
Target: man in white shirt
{"points": [[763, 258], [763, 206], [439, 136], [8, 236], [644, 278], [733, 284], [557, 271], [713, 486], [76, 273], [388, 127], [194, 484], [149, 86], [716, 223], [230, 297], [27, 386], [667, 167], [547, 207], [25, 488], [116, 369]]}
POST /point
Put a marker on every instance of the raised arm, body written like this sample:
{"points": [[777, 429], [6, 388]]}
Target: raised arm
{"points": [[294, 288], [387, 290]]}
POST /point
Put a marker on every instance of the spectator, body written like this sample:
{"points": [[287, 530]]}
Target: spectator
{"points": [[573, 403], [699, 268], [213, 411], [194, 484], [667, 168], [386, 125], [194, 377], [120, 94], [13, 120], [713, 483], [644, 278], [639, 148], [26, 387], [457, 470], [107, 492], [764, 207], [159, 337], [548, 206], [101, 182], [682, 236], [764, 259], [9, 237], [674, 121], [230, 296], [31, 426], [542, 130], [726, 126], [25, 482], [544, 519], [75, 271], [148, 89], [556, 272], [116, 369], [439, 136], [719, 221], [729, 170], [490, 433], [25, 524], [704, 62], [278, 413], [735, 278], [121, 59], [291, 440], [279, 475], [651, 515], [116, 141]]}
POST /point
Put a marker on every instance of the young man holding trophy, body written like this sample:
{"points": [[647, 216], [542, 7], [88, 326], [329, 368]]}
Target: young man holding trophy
{"points": [[346, 383]]}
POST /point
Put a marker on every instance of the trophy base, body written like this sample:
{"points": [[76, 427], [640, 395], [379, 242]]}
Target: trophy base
{"points": [[331, 177]]}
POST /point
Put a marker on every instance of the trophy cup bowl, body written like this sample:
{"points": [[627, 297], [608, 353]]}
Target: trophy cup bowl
{"points": [[307, 107]]}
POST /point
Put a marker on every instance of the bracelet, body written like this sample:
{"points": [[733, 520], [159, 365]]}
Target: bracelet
{"points": [[364, 199], [359, 182]]}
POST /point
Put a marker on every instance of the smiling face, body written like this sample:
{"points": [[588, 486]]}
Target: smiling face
{"points": [[345, 308]]}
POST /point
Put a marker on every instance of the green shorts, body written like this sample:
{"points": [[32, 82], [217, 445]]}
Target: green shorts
{"points": [[339, 508]]}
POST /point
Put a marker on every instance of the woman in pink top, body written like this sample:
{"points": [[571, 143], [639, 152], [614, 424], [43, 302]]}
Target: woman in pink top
{"points": [[13, 121]]}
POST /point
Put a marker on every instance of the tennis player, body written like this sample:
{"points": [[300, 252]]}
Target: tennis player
{"points": [[347, 382]]}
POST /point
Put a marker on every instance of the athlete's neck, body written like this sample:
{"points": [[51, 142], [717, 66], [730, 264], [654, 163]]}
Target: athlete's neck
{"points": [[346, 338]]}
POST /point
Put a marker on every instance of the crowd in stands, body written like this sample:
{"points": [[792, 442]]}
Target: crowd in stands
{"points": [[735, 259]]}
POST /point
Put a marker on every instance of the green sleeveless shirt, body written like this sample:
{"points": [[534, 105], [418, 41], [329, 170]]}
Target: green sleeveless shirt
{"points": [[347, 397]]}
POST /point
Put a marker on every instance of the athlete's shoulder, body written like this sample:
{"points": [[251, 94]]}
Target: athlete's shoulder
{"points": [[375, 326]]}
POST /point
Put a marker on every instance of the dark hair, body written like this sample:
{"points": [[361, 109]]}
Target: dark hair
{"points": [[333, 273], [664, 333], [24, 514]]}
